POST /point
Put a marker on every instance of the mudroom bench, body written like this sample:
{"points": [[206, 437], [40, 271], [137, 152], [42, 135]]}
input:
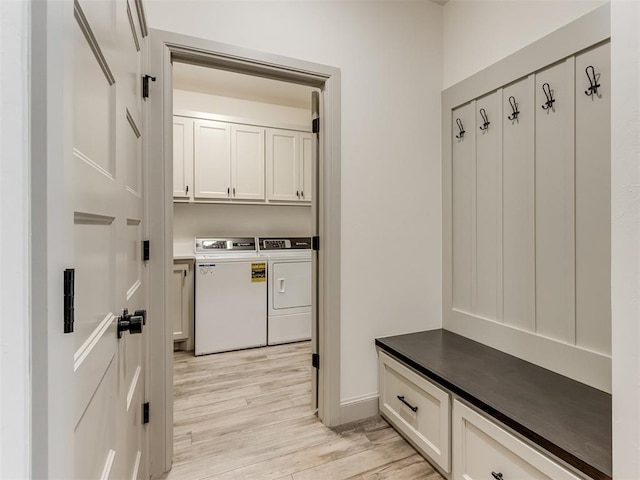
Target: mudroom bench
{"points": [[476, 412]]}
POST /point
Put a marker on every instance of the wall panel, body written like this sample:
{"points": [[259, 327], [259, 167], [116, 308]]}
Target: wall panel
{"points": [[593, 203], [555, 281], [518, 206]]}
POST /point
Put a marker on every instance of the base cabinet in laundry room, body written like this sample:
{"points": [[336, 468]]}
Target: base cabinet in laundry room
{"points": [[183, 306]]}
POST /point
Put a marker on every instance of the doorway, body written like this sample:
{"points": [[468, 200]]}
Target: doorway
{"points": [[167, 48], [242, 161]]}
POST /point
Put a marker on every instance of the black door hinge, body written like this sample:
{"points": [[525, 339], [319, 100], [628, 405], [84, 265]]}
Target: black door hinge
{"points": [[315, 125], [145, 413], [315, 360], [69, 299], [145, 85], [315, 243], [145, 250]]}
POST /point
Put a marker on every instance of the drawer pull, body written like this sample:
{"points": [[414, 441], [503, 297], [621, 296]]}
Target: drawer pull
{"points": [[401, 398], [497, 476]]}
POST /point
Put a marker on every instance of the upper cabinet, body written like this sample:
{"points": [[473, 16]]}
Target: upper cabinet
{"points": [[289, 163], [182, 158], [216, 161]]}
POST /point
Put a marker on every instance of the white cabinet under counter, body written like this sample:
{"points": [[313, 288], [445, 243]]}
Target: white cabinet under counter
{"points": [[503, 418]]}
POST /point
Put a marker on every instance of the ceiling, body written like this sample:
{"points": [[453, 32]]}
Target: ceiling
{"points": [[236, 85]]}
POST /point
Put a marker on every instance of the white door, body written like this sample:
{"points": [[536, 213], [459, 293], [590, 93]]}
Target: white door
{"points": [[104, 183], [212, 159], [247, 161]]}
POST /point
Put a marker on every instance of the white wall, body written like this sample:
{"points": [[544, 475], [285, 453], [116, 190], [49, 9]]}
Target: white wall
{"points": [[478, 33], [625, 241], [235, 107], [204, 220], [15, 394], [390, 58]]}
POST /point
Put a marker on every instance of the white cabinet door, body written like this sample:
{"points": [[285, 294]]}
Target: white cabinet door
{"points": [[247, 162], [305, 160], [212, 159], [485, 451], [416, 407], [180, 302], [182, 158], [282, 165]]}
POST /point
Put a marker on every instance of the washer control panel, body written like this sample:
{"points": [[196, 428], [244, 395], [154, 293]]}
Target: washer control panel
{"points": [[293, 243]]}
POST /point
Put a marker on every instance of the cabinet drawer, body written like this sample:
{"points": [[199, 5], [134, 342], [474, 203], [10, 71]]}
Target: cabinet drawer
{"points": [[417, 408], [486, 451]]}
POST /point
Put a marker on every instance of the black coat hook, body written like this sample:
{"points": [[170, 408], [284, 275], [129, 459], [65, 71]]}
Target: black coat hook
{"points": [[486, 121], [550, 100], [514, 108], [459, 123], [593, 81]]}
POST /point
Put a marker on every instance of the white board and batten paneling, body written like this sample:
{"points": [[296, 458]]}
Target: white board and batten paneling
{"points": [[526, 204]]}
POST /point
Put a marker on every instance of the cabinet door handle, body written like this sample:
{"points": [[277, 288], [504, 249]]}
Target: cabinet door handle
{"points": [[186, 190], [228, 191], [302, 193], [298, 193], [401, 398], [497, 476], [234, 191]]}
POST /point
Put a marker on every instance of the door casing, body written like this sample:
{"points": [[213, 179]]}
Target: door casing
{"points": [[164, 48]]}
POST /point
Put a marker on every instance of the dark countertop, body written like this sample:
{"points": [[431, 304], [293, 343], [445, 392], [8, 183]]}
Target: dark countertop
{"points": [[567, 418]]}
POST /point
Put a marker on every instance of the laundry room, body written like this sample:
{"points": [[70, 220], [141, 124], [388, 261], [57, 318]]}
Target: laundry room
{"points": [[242, 226]]}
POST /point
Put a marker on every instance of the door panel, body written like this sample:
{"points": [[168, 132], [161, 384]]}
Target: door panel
{"points": [[282, 161], [306, 159], [291, 285], [247, 155], [212, 153], [182, 157], [106, 189]]}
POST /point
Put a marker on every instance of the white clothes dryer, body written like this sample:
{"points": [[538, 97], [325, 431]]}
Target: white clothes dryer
{"points": [[289, 288]]}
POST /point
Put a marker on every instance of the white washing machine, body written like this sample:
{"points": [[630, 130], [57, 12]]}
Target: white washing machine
{"points": [[289, 288], [231, 295]]}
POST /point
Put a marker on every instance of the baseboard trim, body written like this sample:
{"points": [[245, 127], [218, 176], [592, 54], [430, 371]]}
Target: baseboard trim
{"points": [[358, 408]]}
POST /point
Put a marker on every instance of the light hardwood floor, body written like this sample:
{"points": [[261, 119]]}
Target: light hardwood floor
{"points": [[246, 415]]}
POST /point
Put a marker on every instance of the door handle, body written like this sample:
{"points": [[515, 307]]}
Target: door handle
{"points": [[281, 282], [132, 323]]}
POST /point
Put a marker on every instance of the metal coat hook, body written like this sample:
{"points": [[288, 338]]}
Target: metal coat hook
{"points": [[459, 123], [486, 121], [594, 85], [550, 100], [514, 108]]}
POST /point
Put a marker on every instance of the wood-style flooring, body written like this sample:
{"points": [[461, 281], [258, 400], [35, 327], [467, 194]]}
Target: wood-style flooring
{"points": [[246, 415]]}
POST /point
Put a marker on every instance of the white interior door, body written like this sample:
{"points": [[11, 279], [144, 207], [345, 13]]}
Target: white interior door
{"points": [[315, 219], [104, 181]]}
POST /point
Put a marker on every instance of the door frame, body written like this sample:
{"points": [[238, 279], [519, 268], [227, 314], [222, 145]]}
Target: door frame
{"points": [[164, 47]]}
